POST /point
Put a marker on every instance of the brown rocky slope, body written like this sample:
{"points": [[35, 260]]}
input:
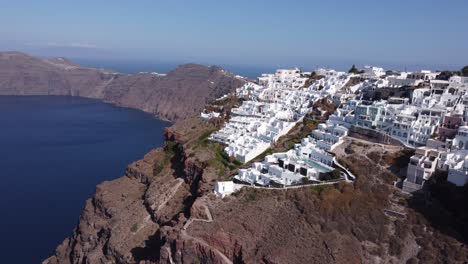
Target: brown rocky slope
{"points": [[163, 211], [183, 92]]}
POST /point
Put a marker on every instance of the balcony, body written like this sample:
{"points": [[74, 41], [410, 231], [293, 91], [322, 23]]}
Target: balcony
{"points": [[414, 160], [427, 164]]}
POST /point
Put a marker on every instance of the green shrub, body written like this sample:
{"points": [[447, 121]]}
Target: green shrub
{"points": [[353, 69], [170, 147], [464, 71], [332, 175], [251, 196], [203, 138], [157, 168], [134, 228], [317, 189]]}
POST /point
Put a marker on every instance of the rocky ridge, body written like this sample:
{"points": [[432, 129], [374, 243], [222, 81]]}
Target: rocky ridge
{"points": [[163, 211], [181, 93]]}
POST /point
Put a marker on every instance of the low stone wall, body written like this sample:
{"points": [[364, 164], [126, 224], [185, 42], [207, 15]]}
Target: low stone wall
{"points": [[372, 136]]}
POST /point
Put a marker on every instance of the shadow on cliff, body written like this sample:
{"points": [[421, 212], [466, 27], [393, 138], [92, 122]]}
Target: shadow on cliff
{"points": [[151, 250], [444, 206], [191, 175]]}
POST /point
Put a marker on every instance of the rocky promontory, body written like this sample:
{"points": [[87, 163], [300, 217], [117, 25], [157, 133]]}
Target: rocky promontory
{"points": [[180, 93], [164, 211]]}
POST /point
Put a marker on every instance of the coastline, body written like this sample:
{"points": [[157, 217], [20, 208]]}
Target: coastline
{"points": [[55, 150]]}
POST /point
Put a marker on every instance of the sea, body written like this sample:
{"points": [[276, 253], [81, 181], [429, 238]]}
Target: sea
{"points": [[54, 150], [130, 67]]}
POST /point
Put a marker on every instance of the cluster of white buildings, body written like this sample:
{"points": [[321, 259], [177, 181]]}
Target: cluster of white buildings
{"points": [[209, 115], [449, 156], [435, 123], [433, 120], [307, 162], [412, 121], [271, 109]]}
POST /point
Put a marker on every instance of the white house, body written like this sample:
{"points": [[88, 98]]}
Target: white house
{"points": [[421, 167], [423, 75], [399, 81], [209, 115], [373, 72], [458, 167], [461, 139], [224, 188]]}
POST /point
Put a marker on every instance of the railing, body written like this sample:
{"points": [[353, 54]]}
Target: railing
{"points": [[346, 170]]}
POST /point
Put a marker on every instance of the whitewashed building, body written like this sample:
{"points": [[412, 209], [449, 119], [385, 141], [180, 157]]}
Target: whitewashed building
{"points": [[372, 72], [421, 167], [458, 167], [224, 188], [461, 139]]}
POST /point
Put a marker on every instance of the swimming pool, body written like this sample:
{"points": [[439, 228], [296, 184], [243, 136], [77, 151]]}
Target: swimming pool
{"points": [[317, 165]]}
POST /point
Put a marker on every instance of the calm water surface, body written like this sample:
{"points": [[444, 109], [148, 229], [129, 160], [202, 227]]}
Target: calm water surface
{"points": [[53, 152]]}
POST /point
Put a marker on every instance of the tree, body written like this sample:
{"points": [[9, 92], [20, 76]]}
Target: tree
{"points": [[336, 174], [353, 70], [445, 75], [464, 71], [332, 175]]}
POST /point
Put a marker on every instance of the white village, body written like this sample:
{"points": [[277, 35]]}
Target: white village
{"points": [[431, 119]]}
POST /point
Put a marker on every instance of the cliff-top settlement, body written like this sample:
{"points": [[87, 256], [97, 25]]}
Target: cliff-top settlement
{"points": [[313, 167], [431, 117]]}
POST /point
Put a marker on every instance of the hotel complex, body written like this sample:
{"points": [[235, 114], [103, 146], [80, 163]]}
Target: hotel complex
{"points": [[430, 117]]}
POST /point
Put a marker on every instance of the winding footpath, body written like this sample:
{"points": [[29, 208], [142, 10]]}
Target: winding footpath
{"points": [[186, 236]]}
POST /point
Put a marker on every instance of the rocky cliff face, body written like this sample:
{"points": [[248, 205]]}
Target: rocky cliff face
{"points": [[183, 92], [163, 211], [140, 217]]}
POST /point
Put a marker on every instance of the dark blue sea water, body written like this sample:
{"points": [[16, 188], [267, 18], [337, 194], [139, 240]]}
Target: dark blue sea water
{"points": [[53, 152]]}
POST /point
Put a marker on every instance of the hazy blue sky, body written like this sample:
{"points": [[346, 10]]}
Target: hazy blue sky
{"points": [[327, 33]]}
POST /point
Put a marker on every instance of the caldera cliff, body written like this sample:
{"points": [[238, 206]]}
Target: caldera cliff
{"points": [[181, 93], [163, 209]]}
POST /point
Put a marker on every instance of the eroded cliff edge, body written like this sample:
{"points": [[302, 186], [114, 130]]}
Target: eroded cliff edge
{"points": [[139, 217], [181, 93], [163, 211]]}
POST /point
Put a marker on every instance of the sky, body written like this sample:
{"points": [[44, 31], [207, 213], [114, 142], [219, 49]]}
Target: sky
{"points": [[412, 33]]}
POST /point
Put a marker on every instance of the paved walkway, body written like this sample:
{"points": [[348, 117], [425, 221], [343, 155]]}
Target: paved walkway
{"points": [[239, 185], [347, 172]]}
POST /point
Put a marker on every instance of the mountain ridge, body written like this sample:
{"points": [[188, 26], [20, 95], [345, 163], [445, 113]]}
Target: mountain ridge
{"points": [[180, 93]]}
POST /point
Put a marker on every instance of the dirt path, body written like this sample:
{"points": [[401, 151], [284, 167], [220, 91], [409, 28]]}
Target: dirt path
{"points": [[173, 192], [186, 236]]}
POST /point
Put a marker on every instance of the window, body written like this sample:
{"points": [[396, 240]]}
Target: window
{"points": [[419, 180]]}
